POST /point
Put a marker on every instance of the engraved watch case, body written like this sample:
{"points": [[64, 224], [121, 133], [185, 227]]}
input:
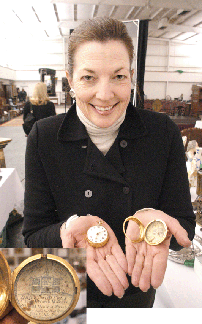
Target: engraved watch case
{"points": [[43, 288]]}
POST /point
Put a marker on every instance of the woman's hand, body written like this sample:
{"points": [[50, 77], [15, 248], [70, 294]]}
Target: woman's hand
{"points": [[107, 265], [11, 316], [147, 264]]}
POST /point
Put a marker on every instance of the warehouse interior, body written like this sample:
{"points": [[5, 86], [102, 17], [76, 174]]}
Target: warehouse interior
{"points": [[34, 41]]}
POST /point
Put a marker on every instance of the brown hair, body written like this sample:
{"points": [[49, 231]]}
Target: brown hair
{"points": [[101, 30]]}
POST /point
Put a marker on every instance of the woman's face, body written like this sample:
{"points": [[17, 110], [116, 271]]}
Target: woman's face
{"points": [[102, 81]]}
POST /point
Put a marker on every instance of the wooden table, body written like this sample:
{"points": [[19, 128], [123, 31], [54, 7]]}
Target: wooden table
{"points": [[3, 143], [184, 121]]}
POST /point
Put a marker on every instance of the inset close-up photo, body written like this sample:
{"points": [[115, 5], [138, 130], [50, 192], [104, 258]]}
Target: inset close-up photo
{"points": [[42, 286], [100, 158]]}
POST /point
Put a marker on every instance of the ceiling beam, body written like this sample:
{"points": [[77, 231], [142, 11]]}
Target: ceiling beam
{"points": [[130, 12], [75, 12], [185, 4], [95, 10], [113, 11], [153, 26], [70, 24], [155, 13]]}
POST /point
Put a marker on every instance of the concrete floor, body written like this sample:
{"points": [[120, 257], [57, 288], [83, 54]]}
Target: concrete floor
{"points": [[14, 154]]}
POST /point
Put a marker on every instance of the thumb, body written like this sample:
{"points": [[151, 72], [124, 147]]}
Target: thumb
{"points": [[178, 232], [68, 241]]}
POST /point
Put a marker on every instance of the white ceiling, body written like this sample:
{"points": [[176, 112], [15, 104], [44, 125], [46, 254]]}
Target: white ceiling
{"points": [[179, 20]]}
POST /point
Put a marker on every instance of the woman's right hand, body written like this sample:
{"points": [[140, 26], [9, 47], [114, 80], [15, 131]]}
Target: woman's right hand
{"points": [[107, 265]]}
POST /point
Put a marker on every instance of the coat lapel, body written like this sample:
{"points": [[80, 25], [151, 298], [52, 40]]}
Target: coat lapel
{"points": [[101, 166], [97, 165]]}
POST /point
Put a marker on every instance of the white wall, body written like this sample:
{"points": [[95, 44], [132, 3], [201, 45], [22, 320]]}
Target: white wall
{"points": [[7, 73], [26, 59], [28, 85], [163, 60]]}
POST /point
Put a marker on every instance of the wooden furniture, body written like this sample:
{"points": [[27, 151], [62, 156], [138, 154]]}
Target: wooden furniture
{"points": [[1, 112], [184, 122], [196, 102], [170, 107], [157, 105], [3, 143], [2, 103], [13, 113], [192, 133]]}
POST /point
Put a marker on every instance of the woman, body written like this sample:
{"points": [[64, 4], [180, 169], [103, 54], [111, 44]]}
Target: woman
{"points": [[40, 103], [101, 162]]}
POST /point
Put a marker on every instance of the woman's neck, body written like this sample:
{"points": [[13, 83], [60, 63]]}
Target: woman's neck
{"points": [[103, 138]]}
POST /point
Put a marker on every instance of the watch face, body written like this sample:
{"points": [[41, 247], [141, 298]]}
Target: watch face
{"points": [[155, 232], [45, 290], [97, 235]]}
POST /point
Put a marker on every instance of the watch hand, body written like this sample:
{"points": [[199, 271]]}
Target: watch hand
{"points": [[151, 239]]}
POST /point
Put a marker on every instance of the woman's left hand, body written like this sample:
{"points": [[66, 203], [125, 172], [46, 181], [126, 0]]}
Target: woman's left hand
{"points": [[146, 263]]}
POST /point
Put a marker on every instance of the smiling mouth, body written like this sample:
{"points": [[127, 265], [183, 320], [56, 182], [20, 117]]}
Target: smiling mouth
{"points": [[103, 108]]}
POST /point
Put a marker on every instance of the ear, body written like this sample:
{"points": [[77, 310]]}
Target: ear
{"points": [[132, 76], [69, 79]]}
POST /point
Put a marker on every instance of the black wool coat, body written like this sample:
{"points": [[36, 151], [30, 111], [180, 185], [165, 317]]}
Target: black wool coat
{"points": [[41, 111], [66, 174]]}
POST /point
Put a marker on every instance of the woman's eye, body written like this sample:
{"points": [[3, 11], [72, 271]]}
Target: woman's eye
{"points": [[120, 77], [88, 77]]}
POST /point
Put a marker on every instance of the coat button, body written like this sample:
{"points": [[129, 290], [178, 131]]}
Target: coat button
{"points": [[123, 143], [88, 193], [126, 190]]}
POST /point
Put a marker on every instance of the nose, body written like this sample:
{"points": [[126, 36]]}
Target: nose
{"points": [[104, 91]]}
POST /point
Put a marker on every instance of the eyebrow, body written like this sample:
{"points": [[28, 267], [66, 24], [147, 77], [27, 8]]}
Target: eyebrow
{"points": [[116, 71]]}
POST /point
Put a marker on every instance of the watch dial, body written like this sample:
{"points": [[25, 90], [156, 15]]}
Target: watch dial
{"points": [[97, 234], [155, 232], [44, 289]]}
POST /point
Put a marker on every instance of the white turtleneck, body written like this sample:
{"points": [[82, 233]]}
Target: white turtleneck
{"points": [[103, 138]]}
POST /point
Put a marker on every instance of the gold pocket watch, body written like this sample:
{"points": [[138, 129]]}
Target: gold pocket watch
{"points": [[43, 288], [154, 233], [97, 236]]}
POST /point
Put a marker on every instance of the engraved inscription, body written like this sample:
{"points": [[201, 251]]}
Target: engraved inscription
{"points": [[44, 289]]}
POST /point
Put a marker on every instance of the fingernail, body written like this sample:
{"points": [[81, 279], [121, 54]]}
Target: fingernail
{"points": [[121, 297]]}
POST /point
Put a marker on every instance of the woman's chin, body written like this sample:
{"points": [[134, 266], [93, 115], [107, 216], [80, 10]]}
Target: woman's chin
{"points": [[102, 118]]}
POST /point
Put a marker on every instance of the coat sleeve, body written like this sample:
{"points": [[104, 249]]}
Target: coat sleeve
{"points": [[175, 199], [39, 203]]}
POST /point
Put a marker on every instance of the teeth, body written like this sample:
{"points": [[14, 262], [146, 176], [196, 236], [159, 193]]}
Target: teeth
{"points": [[102, 108]]}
